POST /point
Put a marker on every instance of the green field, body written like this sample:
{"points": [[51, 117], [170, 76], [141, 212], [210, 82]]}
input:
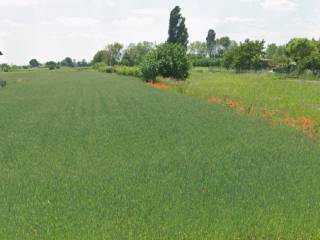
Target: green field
{"points": [[87, 155], [282, 97]]}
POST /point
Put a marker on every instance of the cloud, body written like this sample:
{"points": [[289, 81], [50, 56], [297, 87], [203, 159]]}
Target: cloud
{"points": [[280, 5], [220, 22], [103, 2], [149, 11], [78, 21], [277, 5], [251, 1], [4, 34], [132, 21], [10, 23], [17, 3], [235, 19]]}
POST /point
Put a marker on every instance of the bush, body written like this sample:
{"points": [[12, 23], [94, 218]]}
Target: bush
{"points": [[150, 66], [205, 62], [108, 69], [5, 67], [101, 67], [52, 65], [3, 83], [128, 71], [290, 69], [173, 61], [121, 70]]}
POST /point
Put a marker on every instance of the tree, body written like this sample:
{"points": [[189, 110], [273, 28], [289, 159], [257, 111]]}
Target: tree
{"points": [[51, 65], [102, 56], [221, 45], [277, 56], [34, 63], [198, 49], [111, 55], [211, 41], [5, 67], [271, 51], [67, 62], [83, 63], [249, 55], [299, 50], [150, 66], [229, 57], [178, 33], [114, 51], [225, 42], [135, 53], [313, 62], [173, 61]]}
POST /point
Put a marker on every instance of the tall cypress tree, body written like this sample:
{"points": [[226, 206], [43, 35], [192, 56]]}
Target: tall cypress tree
{"points": [[178, 33], [211, 41]]}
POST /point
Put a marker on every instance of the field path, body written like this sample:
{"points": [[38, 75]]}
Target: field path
{"points": [[86, 155]]}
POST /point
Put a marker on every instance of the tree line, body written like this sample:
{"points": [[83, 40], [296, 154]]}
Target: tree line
{"points": [[67, 62], [174, 58]]}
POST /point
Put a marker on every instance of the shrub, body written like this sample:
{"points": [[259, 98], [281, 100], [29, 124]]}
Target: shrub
{"points": [[101, 67], [121, 70], [5, 67], [51, 65], [108, 69], [173, 61], [3, 83], [150, 66], [205, 61], [128, 71]]}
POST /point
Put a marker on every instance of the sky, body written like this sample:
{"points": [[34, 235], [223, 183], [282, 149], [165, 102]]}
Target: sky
{"points": [[52, 30]]}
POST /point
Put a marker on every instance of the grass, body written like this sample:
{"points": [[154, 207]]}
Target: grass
{"points": [[283, 99], [88, 155]]}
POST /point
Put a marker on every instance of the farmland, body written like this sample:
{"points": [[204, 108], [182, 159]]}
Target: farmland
{"points": [[88, 155]]}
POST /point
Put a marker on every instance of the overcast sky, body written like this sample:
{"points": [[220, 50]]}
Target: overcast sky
{"points": [[52, 30]]}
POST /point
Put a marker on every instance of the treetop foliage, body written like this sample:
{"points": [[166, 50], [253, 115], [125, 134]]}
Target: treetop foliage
{"points": [[178, 32], [34, 63], [67, 62], [135, 53], [211, 40], [111, 55]]}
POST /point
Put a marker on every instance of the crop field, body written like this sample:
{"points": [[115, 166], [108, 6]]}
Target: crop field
{"points": [[88, 155]]}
